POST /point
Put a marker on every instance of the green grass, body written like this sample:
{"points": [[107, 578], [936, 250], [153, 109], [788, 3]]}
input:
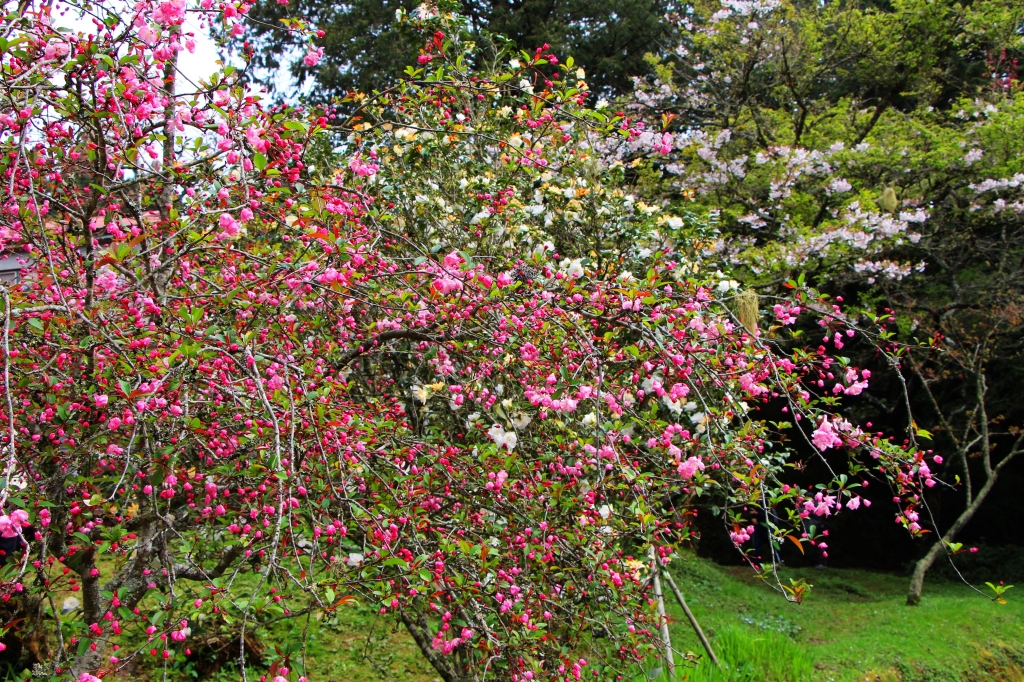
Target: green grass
{"points": [[750, 656], [852, 626]]}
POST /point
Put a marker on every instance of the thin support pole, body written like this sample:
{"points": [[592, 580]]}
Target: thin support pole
{"points": [[666, 639], [693, 620]]}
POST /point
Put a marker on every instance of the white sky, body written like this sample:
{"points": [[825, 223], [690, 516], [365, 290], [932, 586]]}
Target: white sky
{"points": [[192, 65]]}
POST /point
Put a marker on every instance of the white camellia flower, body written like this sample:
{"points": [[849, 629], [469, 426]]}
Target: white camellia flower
{"points": [[605, 512], [70, 604], [648, 383], [521, 421], [541, 250], [425, 11], [514, 63], [504, 439], [354, 559], [420, 393], [572, 268]]}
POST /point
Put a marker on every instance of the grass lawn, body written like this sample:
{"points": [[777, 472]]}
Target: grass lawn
{"points": [[852, 626]]}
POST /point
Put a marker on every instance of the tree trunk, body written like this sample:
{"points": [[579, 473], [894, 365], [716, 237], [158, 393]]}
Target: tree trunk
{"points": [[925, 562], [421, 635]]}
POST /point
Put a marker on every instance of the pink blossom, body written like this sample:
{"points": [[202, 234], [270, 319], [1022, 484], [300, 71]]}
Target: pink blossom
{"points": [[446, 285], [100, 399], [663, 145], [453, 261], [228, 224], [55, 49], [742, 535], [170, 13], [821, 505], [313, 56], [107, 280], [855, 388], [148, 35], [10, 526], [678, 390], [362, 168], [252, 136], [749, 384], [690, 467], [825, 437]]}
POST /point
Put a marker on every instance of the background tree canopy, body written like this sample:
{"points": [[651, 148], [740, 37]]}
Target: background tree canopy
{"points": [[877, 150], [364, 48]]}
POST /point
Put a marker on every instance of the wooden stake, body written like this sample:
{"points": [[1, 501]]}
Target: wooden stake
{"points": [[693, 620], [666, 639]]}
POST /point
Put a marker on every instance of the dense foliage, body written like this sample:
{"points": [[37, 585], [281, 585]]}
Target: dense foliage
{"points": [[262, 361]]}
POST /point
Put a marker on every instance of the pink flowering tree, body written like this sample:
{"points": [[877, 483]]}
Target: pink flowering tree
{"points": [[247, 379]]}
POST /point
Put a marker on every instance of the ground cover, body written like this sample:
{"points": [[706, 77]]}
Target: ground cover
{"points": [[853, 625]]}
